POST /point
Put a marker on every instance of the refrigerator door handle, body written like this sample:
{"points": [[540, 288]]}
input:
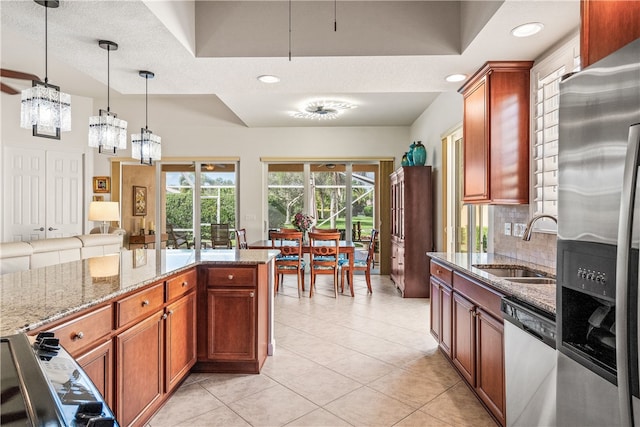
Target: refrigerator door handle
{"points": [[622, 271]]}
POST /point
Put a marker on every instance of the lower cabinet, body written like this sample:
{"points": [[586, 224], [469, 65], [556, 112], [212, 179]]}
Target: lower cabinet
{"points": [[180, 340], [231, 340], [98, 364], [466, 321], [139, 369]]}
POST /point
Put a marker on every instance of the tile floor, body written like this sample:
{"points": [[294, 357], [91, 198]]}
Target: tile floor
{"points": [[363, 361]]}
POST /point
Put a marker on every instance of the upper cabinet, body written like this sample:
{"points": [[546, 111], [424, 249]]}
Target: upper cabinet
{"points": [[496, 133], [606, 27]]}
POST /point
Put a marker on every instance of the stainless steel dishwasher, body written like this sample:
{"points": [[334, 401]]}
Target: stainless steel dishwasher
{"points": [[530, 364]]}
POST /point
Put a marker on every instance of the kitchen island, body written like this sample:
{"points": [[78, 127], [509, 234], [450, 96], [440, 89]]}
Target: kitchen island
{"points": [[139, 321]]}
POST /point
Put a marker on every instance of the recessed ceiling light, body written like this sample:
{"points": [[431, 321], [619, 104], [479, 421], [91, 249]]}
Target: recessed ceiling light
{"points": [[455, 77], [528, 29], [269, 79]]}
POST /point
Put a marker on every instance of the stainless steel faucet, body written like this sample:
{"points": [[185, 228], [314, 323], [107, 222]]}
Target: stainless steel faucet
{"points": [[526, 236]]}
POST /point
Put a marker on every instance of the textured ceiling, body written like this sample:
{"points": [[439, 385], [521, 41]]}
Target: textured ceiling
{"points": [[388, 57]]}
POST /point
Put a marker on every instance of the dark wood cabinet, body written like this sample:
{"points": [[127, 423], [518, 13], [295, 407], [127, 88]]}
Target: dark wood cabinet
{"points": [[464, 337], [98, 364], [411, 229], [490, 383], [441, 306], [496, 133], [180, 340], [139, 370], [606, 26], [233, 319]]}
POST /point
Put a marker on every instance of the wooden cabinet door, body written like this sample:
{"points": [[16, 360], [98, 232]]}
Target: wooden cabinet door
{"points": [[435, 314], [231, 315], [180, 340], [490, 358], [463, 351], [476, 143], [139, 369], [98, 364], [446, 328]]}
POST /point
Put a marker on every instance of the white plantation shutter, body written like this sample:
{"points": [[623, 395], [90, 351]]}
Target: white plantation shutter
{"points": [[545, 82]]}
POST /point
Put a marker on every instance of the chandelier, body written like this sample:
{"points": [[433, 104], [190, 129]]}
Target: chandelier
{"points": [[145, 146], [45, 109], [322, 110], [106, 130]]}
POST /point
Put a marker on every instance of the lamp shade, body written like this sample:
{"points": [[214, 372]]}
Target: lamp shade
{"points": [[104, 211]]}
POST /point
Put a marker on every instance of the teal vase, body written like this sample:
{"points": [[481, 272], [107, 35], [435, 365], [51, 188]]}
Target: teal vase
{"points": [[410, 154], [419, 154], [405, 160]]}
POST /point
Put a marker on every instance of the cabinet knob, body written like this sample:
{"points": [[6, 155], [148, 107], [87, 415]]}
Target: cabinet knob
{"points": [[145, 303], [230, 277], [170, 312], [252, 294], [185, 284], [164, 316], [78, 336], [438, 271]]}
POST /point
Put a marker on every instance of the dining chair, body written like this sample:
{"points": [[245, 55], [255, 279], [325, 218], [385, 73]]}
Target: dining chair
{"points": [[324, 252], [220, 236], [360, 265], [176, 238], [241, 238], [290, 260]]}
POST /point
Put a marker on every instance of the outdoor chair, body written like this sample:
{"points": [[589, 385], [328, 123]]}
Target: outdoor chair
{"points": [[220, 236], [360, 265], [324, 254], [176, 238], [289, 261]]}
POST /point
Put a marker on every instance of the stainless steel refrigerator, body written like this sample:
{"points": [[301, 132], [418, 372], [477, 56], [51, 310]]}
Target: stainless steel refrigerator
{"points": [[597, 265]]}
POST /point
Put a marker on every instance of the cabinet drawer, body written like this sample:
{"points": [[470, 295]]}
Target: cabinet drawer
{"points": [[443, 273], [140, 304], [231, 276], [84, 331], [181, 284], [482, 296]]}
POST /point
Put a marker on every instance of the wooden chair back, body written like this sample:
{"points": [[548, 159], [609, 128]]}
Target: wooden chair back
{"points": [[290, 260], [241, 239], [220, 236], [324, 252]]}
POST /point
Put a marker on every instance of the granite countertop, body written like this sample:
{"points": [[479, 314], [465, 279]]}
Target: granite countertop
{"points": [[537, 294], [32, 298]]}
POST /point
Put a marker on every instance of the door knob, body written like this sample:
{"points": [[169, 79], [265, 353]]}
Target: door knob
{"points": [[39, 229], [51, 228]]}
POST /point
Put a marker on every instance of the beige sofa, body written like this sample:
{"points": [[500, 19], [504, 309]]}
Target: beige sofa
{"points": [[19, 256]]}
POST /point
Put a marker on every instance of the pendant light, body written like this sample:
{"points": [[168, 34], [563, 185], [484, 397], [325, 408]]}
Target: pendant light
{"points": [[145, 146], [107, 132], [44, 108]]}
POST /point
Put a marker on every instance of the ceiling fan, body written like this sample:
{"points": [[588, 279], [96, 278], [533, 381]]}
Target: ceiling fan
{"points": [[11, 74]]}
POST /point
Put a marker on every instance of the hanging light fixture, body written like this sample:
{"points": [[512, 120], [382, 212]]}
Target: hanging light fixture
{"points": [[145, 146], [107, 132], [44, 108]]}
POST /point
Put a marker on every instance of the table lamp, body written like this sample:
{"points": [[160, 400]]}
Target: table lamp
{"points": [[105, 212]]}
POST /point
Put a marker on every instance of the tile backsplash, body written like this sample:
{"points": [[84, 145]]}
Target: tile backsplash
{"points": [[541, 249]]}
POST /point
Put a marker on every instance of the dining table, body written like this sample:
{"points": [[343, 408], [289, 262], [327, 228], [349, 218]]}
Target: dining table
{"points": [[345, 247]]}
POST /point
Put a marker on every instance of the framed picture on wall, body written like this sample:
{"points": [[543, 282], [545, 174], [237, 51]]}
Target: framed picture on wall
{"points": [[98, 198], [139, 200], [101, 184]]}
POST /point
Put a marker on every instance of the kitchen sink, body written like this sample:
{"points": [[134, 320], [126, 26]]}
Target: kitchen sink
{"points": [[533, 280], [509, 271]]}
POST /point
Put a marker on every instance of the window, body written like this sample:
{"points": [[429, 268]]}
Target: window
{"points": [[545, 81]]}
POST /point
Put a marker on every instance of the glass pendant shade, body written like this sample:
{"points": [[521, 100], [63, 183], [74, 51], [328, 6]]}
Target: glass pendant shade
{"points": [[46, 108], [146, 147], [107, 132]]}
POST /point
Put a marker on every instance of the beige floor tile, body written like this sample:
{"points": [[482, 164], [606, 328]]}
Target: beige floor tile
{"points": [[220, 417], [410, 387], [319, 418], [435, 366], [188, 401], [459, 407], [361, 368], [320, 385], [367, 407], [421, 419], [275, 406], [231, 387], [286, 364]]}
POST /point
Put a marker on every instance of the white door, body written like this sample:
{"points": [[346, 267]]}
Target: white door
{"points": [[42, 194]]}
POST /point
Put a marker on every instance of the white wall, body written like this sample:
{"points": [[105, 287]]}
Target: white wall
{"points": [[443, 115]]}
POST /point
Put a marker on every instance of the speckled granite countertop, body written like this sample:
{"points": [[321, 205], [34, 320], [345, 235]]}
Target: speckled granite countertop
{"points": [[32, 298], [538, 294]]}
